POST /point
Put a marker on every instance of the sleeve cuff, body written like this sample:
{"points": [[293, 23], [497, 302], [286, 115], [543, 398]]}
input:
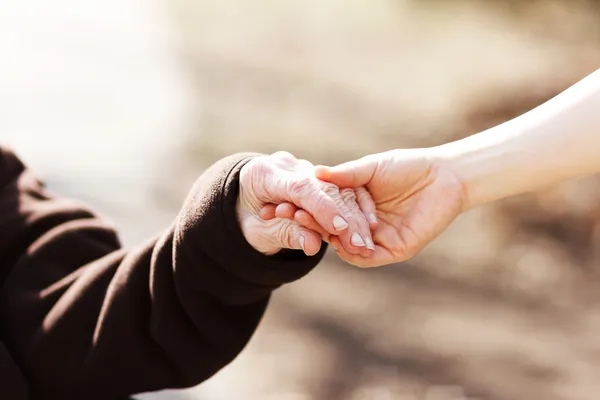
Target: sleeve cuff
{"points": [[209, 225], [284, 267]]}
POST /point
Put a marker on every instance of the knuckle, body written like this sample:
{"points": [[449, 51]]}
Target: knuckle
{"points": [[348, 195], [286, 234], [342, 208], [262, 167], [301, 186], [322, 205], [362, 194], [283, 155], [256, 175], [305, 164], [329, 188]]}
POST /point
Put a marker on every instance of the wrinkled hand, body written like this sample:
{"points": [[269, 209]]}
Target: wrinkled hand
{"points": [[281, 179]]}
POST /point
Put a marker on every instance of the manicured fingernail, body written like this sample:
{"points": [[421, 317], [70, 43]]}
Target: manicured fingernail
{"points": [[357, 240], [302, 243], [372, 218], [370, 244], [339, 223]]}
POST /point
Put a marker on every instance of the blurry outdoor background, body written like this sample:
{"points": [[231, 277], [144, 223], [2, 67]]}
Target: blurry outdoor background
{"points": [[122, 103]]}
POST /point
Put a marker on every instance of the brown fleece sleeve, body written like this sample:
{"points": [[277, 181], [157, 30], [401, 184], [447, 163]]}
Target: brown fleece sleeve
{"points": [[82, 318]]}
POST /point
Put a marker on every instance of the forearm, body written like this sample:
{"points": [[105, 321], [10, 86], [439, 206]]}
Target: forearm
{"points": [[556, 141]]}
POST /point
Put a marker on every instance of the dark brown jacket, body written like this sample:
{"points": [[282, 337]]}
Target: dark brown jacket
{"points": [[81, 318]]}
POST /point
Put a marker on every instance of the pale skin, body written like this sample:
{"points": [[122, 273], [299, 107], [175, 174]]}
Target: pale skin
{"points": [[419, 192], [281, 177]]}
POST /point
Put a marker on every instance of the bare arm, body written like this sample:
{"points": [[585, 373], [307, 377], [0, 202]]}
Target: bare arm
{"points": [[419, 192], [557, 141]]}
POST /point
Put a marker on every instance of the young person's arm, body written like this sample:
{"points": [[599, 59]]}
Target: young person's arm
{"points": [[419, 192], [80, 318], [556, 141]]}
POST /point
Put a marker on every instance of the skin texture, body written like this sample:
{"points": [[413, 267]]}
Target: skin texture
{"points": [[285, 180]]}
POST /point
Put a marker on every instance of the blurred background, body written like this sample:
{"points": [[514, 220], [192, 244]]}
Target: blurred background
{"points": [[123, 103]]}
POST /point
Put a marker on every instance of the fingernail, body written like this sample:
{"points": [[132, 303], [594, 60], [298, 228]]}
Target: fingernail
{"points": [[334, 246], [339, 223], [302, 243], [372, 218], [370, 244], [357, 240]]}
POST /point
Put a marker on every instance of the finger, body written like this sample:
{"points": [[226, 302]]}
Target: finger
{"points": [[354, 239], [381, 256], [275, 184], [267, 212], [293, 236], [306, 220], [285, 210], [351, 174], [306, 193], [311, 241], [304, 167], [367, 205], [362, 237]]}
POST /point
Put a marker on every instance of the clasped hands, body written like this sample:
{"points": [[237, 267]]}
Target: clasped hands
{"points": [[377, 210]]}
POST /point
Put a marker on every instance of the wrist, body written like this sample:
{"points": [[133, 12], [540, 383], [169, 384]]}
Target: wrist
{"points": [[473, 168], [501, 162]]}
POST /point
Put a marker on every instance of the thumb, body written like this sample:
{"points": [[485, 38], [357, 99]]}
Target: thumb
{"points": [[350, 174]]}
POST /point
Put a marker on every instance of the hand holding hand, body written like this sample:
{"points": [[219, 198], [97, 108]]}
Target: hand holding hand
{"points": [[268, 181], [416, 195]]}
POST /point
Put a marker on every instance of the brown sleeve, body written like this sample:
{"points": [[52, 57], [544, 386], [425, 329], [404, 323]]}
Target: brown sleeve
{"points": [[81, 318]]}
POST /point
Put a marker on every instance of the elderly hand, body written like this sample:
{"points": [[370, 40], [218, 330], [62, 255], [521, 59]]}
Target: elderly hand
{"points": [[281, 179]]}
